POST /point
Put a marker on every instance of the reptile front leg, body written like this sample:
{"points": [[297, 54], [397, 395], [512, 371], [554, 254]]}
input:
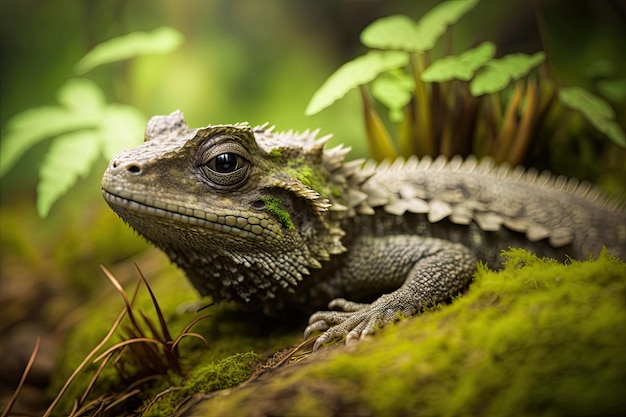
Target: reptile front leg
{"points": [[427, 270]]}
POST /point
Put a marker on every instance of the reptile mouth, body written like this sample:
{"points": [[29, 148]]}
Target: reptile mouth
{"points": [[217, 223]]}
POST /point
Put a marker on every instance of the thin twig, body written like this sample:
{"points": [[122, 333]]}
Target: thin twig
{"points": [[18, 389]]}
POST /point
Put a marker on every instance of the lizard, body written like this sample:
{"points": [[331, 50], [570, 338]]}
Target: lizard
{"points": [[281, 223]]}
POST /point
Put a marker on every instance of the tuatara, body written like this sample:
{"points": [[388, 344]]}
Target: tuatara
{"points": [[278, 222]]}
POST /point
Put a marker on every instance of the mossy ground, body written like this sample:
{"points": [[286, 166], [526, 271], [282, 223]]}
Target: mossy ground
{"points": [[539, 338]]}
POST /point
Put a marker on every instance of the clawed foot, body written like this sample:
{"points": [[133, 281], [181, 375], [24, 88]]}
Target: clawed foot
{"points": [[355, 320]]}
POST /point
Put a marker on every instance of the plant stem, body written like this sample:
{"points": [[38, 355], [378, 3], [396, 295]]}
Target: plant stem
{"points": [[424, 140], [378, 138], [525, 131], [505, 139]]}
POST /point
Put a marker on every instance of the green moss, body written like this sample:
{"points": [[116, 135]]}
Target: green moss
{"points": [[308, 176], [224, 374], [274, 206], [204, 378], [275, 155], [539, 338], [313, 179]]}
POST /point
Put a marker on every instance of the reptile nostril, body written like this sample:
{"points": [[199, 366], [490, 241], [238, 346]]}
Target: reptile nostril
{"points": [[134, 169]]}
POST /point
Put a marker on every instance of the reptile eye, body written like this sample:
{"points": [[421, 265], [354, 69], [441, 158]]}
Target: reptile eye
{"points": [[225, 163]]}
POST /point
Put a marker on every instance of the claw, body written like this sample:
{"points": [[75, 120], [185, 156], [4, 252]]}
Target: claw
{"points": [[317, 326], [352, 337], [355, 321], [318, 344]]}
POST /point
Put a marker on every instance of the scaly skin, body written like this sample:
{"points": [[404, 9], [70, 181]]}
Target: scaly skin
{"points": [[277, 222]]}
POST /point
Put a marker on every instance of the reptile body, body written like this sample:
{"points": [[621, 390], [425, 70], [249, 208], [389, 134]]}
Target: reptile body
{"points": [[278, 222]]}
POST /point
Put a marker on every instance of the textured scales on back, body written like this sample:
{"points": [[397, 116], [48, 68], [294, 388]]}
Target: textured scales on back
{"points": [[565, 213], [278, 222]]}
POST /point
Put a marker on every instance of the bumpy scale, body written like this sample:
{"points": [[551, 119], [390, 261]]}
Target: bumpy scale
{"points": [[276, 221]]}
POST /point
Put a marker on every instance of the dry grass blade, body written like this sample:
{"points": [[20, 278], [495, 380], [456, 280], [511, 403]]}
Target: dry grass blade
{"points": [[150, 348], [186, 332], [193, 323], [291, 353], [87, 358], [120, 289], [166, 333], [183, 335], [94, 379], [155, 332], [18, 389], [122, 398], [97, 403], [126, 343], [204, 307]]}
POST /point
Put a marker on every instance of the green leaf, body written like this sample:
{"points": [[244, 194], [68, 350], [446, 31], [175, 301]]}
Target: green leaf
{"points": [[391, 32], [82, 97], [402, 33], [352, 74], [160, 41], [614, 90], [489, 80], [518, 64], [122, 127], [461, 67], [590, 105], [612, 130], [30, 127], [395, 90], [69, 157], [498, 73], [595, 109]]}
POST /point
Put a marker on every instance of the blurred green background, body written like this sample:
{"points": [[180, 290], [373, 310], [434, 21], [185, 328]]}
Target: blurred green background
{"points": [[261, 61], [242, 60]]}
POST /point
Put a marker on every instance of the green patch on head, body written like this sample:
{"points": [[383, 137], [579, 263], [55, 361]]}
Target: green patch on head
{"points": [[275, 155], [308, 176], [274, 206]]}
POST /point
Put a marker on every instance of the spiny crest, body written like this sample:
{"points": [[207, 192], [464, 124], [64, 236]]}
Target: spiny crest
{"points": [[414, 186], [290, 144], [487, 167], [240, 130]]}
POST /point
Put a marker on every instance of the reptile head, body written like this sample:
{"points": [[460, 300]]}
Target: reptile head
{"points": [[243, 211]]}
